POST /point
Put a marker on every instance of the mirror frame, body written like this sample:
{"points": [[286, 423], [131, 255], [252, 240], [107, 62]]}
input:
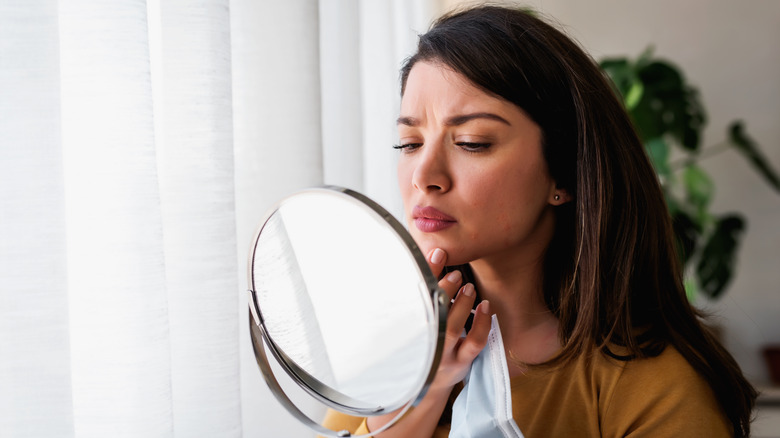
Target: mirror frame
{"points": [[438, 300]]}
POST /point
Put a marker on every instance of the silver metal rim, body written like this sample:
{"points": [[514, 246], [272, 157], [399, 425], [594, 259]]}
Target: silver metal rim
{"points": [[323, 393]]}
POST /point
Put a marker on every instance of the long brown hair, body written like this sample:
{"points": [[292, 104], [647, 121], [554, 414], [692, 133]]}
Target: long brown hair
{"points": [[612, 275]]}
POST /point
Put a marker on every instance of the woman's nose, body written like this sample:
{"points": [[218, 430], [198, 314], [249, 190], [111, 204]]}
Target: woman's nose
{"points": [[432, 171]]}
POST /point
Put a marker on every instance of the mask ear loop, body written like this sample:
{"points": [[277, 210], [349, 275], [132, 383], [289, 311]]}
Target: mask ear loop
{"points": [[503, 385]]}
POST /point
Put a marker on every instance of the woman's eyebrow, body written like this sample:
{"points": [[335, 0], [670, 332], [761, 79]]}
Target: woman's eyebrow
{"points": [[461, 119], [408, 121], [455, 120]]}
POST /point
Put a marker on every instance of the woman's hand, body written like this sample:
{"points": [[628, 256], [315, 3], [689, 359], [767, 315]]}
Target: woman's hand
{"points": [[458, 351]]}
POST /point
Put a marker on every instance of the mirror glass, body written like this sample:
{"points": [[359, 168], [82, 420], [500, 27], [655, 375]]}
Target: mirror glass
{"points": [[345, 301]]}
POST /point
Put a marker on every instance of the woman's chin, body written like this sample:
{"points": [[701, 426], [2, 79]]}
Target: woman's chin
{"points": [[427, 243]]}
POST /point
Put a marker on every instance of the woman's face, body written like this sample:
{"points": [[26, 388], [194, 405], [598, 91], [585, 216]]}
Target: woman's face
{"points": [[472, 174]]}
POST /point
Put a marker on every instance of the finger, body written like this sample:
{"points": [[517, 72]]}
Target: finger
{"points": [[436, 259], [477, 337], [451, 282], [460, 310]]}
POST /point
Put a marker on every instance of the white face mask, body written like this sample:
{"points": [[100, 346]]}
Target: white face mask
{"points": [[483, 409]]}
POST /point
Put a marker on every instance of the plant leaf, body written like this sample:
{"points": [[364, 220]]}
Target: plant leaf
{"points": [[687, 231], [658, 151], [634, 94], [749, 148], [646, 57], [624, 79], [692, 121], [668, 105], [716, 263], [691, 290], [699, 190]]}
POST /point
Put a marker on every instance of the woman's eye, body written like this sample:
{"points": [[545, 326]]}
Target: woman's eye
{"points": [[407, 147], [472, 146]]}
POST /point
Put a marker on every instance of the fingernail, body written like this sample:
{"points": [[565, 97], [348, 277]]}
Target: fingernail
{"points": [[468, 290], [438, 256], [454, 277], [484, 307]]}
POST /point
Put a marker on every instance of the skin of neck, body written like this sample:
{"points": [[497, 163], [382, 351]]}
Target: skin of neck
{"points": [[512, 282]]}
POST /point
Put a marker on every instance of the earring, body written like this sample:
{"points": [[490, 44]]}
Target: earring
{"points": [[557, 197]]}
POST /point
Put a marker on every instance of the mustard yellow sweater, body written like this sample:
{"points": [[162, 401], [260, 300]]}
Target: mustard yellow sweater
{"points": [[656, 397]]}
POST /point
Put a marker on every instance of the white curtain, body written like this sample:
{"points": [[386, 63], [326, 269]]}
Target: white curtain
{"points": [[140, 144]]}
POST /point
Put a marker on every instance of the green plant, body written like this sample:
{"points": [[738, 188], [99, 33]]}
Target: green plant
{"points": [[669, 117]]}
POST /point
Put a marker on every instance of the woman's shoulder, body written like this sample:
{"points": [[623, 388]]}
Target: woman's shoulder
{"points": [[612, 396], [669, 365], [607, 377], [661, 394], [614, 366]]}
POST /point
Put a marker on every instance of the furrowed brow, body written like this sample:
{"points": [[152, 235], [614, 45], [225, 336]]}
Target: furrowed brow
{"points": [[408, 121], [461, 119]]}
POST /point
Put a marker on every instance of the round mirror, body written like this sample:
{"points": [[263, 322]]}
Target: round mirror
{"points": [[344, 301]]}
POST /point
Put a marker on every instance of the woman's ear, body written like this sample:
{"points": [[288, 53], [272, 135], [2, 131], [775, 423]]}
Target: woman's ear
{"points": [[560, 196]]}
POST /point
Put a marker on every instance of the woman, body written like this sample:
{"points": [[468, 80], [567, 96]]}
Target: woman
{"points": [[520, 167]]}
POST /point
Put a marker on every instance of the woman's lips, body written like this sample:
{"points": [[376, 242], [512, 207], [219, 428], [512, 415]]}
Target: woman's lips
{"points": [[430, 220]]}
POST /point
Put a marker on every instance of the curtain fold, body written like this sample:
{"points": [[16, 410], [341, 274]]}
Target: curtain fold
{"points": [[277, 147], [35, 390], [195, 161], [142, 142], [342, 130], [119, 326]]}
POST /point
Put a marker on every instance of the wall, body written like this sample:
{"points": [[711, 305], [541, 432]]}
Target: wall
{"points": [[729, 51]]}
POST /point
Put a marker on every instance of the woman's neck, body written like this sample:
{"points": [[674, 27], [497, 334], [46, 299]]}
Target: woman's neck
{"points": [[514, 289]]}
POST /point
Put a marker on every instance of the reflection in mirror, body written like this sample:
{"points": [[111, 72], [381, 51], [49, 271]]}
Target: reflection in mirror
{"points": [[344, 301]]}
